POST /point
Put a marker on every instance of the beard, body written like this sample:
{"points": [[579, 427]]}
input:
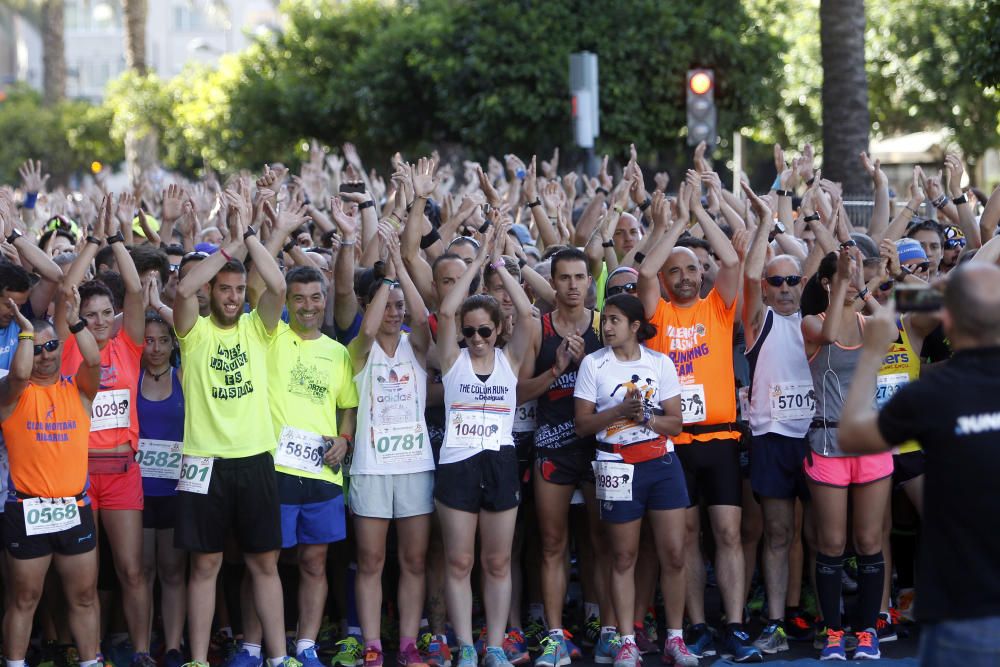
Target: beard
{"points": [[220, 315]]}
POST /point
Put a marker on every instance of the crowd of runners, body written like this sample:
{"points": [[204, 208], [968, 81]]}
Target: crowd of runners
{"points": [[266, 419]]}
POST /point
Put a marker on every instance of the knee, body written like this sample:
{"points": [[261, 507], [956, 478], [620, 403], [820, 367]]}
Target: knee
{"points": [[205, 567], [313, 566], [460, 564], [553, 545], [777, 535], [867, 545], [371, 560], [83, 597], [623, 561], [728, 536], [171, 576], [497, 565], [413, 564], [131, 573], [831, 545], [27, 597]]}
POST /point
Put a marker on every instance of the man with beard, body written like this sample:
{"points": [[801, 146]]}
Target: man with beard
{"points": [[228, 480], [697, 333]]}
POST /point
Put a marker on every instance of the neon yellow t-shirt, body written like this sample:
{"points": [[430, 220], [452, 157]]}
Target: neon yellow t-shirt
{"points": [[225, 389], [308, 381], [602, 282]]}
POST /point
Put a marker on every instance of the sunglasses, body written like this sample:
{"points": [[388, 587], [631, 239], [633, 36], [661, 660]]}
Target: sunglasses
{"points": [[627, 287], [951, 244], [196, 253], [886, 286], [484, 332], [174, 268], [51, 346], [775, 281]]}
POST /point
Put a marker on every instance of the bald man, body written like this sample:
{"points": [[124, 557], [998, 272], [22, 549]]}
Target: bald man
{"points": [[953, 411], [697, 334]]}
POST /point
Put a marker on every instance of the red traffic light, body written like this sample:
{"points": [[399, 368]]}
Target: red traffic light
{"points": [[700, 83]]}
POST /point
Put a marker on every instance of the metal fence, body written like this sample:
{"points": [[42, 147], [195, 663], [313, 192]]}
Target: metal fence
{"points": [[859, 210]]}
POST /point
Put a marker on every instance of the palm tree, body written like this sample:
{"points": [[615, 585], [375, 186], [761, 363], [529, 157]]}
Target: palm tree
{"points": [[47, 17], [846, 122], [135, 12], [140, 144]]}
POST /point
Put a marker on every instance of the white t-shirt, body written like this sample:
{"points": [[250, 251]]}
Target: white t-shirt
{"points": [[479, 413], [605, 380]]}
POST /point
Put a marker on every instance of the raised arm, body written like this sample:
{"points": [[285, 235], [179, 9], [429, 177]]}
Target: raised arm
{"points": [[13, 384], [447, 338], [88, 376], [898, 225], [31, 254], [520, 341], [420, 332], [753, 270], [859, 432], [727, 282], [966, 220], [134, 312], [880, 213], [649, 270]]}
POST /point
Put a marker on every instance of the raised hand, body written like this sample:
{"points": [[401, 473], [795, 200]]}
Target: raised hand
{"points": [[761, 209], [874, 170], [73, 304], [22, 322], [126, 209], [31, 176], [351, 155], [551, 168], [347, 223], [603, 177], [700, 163], [955, 170], [424, 181], [531, 182], [662, 180], [173, 200]]}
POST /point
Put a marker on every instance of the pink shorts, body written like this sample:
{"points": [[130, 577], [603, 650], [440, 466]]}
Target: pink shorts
{"points": [[115, 490], [843, 471]]}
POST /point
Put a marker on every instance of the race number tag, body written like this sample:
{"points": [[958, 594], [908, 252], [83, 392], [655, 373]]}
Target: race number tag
{"points": [[524, 417], [887, 385], [474, 428], [50, 515], [693, 403], [302, 450], [110, 410], [792, 400], [196, 474], [399, 443], [160, 458], [743, 400], [614, 480]]}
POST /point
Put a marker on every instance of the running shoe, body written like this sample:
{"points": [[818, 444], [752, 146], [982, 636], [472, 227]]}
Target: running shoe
{"points": [[481, 643], [533, 635], [373, 657], [643, 642], [289, 661], [675, 652], [649, 625], [867, 645], [574, 651], [885, 628], [905, 603], [514, 647], [736, 646], [467, 656], [798, 628], [173, 658], [409, 657], [309, 658], [554, 652], [193, 663], [434, 650], [120, 653], [628, 656], [142, 660], [591, 632], [772, 640], [350, 653], [700, 640], [819, 640], [495, 658], [607, 648], [834, 649], [242, 658]]}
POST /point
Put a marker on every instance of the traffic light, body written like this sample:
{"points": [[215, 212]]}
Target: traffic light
{"points": [[701, 113]]}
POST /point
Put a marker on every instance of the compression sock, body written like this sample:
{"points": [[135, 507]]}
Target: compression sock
{"points": [[871, 576], [828, 588]]}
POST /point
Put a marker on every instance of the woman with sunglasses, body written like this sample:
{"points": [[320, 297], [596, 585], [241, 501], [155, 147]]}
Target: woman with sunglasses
{"points": [[392, 471], [477, 482], [115, 477], [832, 331], [623, 280], [160, 407], [629, 396]]}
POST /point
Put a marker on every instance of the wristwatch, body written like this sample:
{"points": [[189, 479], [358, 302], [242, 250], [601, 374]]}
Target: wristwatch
{"points": [[78, 327], [608, 244], [779, 227], [117, 237]]}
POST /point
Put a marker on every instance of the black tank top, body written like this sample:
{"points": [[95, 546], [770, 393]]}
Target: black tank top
{"points": [[555, 407]]}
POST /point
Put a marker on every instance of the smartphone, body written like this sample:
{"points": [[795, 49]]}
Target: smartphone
{"points": [[356, 186], [917, 298]]}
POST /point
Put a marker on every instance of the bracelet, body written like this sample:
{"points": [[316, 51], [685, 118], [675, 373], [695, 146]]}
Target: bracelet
{"points": [[14, 235], [78, 327], [863, 294], [497, 265], [783, 193], [811, 218], [429, 239], [93, 239], [368, 203], [533, 204], [601, 191], [521, 263], [29, 199], [957, 201], [249, 232], [349, 439], [225, 254], [485, 226], [347, 243], [117, 237], [389, 281], [940, 203], [646, 204], [608, 244], [287, 248], [26, 336], [639, 257]]}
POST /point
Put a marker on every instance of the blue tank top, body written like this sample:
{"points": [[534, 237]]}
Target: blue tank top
{"points": [[161, 420]]}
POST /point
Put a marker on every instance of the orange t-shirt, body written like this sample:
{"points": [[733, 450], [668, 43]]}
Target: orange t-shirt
{"points": [[46, 438], [114, 420], [699, 339]]}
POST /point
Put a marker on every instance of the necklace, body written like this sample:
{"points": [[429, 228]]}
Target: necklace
{"points": [[157, 376]]}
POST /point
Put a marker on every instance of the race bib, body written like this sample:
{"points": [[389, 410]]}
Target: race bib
{"points": [[399, 443], [50, 515], [160, 458], [474, 428], [524, 417], [301, 450], [693, 403], [887, 385], [792, 400], [110, 409], [614, 480], [196, 474]]}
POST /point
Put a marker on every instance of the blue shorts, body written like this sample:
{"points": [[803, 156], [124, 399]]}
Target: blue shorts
{"points": [[656, 485], [776, 466], [312, 511]]}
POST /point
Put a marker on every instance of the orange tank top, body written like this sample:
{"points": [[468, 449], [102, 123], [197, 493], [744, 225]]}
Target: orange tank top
{"points": [[699, 340], [46, 438]]}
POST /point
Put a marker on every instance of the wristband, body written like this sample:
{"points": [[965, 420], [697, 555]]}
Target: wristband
{"points": [[117, 237], [429, 239], [249, 232], [486, 225], [646, 204], [811, 218], [78, 327], [26, 336], [533, 204], [349, 439], [14, 235], [368, 203], [347, 243], [810, 181], [497, 265], [287, 248], [93, 239], [608, 244], [957, 201], [521, 263], [29, 199], [639, 257], [390, 282], [783, 193], [225, 254], [863, 294], [601, 191]]}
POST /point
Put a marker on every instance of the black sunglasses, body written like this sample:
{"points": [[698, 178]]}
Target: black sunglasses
{"points": [[484, 332], [886, 286], [50, 346], [619, 289], [775, 281], [951, 244]]}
